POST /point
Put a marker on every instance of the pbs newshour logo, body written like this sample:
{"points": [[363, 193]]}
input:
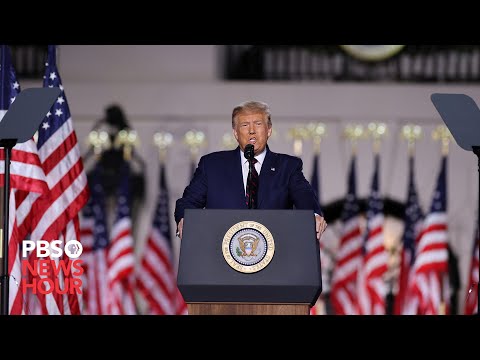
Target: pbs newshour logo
{"points": [[49, 269]]}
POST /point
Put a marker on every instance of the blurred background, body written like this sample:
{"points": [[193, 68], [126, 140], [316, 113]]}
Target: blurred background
{"points": [[317, 93]]}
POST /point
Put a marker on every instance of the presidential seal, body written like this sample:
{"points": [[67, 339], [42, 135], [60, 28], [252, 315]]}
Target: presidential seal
{"points": [[248, 246], [372, 52]]}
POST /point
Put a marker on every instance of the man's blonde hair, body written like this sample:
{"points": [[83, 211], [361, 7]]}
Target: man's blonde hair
{"points": [[252, 107]]}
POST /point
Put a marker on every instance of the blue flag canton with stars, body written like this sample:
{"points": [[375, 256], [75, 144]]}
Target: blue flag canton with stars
{"points": [[439, 202], [9, 84], [87, 210], [413, 213], [375, 202], [97, 205], [123, 200], [59, 113], [351, 207], [161, 219]]}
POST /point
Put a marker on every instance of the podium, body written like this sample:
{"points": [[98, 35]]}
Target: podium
{"points": [[249, 262]]}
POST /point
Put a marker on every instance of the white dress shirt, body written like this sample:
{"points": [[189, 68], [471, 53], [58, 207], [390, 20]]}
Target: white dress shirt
{"points": [[258, 166]]}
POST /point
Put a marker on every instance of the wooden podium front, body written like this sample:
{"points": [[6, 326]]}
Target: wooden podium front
{"points": [[247, 309]]}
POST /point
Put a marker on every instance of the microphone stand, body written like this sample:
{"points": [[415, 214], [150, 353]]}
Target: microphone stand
{"points": [[250, 166], [249, 155], [7, 144]]}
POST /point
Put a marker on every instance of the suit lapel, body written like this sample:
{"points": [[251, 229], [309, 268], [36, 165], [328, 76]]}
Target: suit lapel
{"points": [[266, 175], [237, 177]]}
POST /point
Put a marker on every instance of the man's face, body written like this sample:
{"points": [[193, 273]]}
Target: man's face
{"points": [[252, 129]]}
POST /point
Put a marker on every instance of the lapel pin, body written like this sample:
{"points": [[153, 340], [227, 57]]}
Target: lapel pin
{"points": [[273, 169]]}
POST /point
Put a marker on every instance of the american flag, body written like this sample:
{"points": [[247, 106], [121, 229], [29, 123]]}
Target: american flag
{"points": [[61, 160], [156, 278], [87, 226], [121, 258], [26, 176], [57, 216], [371, 288], [95, 241], [471, 298], [413, 220], [431, 261], [349, 254]]}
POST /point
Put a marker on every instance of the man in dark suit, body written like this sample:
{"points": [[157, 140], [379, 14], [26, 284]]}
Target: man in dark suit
{"points": [[220, 180]]}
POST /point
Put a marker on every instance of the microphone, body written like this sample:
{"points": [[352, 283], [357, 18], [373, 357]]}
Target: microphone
{"points": [[249, 155], [248, 152]]}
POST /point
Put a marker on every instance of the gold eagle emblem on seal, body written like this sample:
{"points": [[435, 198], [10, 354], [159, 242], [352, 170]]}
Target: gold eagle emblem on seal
{"points": [[248, 246]]}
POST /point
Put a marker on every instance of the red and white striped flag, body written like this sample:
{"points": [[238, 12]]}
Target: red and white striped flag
{"points": [[349, 255], [57, 217], [156, 278], [370, 286], [413, 221], [87, 226], [26, 176], [471, 298], [431, 262], [121, 258], [95, 241]]}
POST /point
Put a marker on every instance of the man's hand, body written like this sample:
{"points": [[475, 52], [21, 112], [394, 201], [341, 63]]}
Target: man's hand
{"points": [[180, 229], [320, 225]]}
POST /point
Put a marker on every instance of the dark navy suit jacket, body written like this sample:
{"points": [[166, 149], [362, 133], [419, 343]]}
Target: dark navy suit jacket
{"points": [[218, 184]]}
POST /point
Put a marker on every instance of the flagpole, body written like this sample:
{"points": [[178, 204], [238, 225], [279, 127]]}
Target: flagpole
{"points": [[7, 144], [194, 140], [476, 151], [443, 134], [298, 134]]}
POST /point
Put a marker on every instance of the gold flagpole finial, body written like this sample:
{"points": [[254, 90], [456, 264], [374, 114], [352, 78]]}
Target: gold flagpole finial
{"points": [[316, 131], [353, 133], [162, 140], [194, 140], [442, 133], [126, 139], [442, 308], [99, 141], [411, 133], [377, 131], [298, 134], [228, 141]]}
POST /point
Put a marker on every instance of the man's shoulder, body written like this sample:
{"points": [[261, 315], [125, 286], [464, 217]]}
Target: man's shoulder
{"points": [[285, 157], [219, 155]]}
